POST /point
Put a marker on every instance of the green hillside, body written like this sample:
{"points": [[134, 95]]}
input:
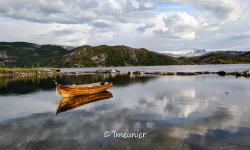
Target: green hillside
{"points": [[218, 58], [103, 55], [22, 54]]}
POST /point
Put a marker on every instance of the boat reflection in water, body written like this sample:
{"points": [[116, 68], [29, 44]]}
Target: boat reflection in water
{"points": [[68, 103]]}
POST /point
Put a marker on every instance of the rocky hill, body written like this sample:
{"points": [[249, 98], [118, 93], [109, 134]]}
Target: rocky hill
{"points": [[103, 55], [22, 54]]}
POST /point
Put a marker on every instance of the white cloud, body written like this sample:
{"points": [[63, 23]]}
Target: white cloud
{"points": [[144, 27], [217, 11], [75, 11], [180, 25], [54, 33], [137, 23], [241, 36]]}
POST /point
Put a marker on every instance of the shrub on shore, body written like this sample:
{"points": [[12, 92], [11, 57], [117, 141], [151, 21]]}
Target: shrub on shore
{"points": [[22, 70], [2, 65]]}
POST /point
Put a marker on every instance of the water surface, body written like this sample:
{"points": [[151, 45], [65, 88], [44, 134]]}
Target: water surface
{"points": [[170, 68], [177, 112]]}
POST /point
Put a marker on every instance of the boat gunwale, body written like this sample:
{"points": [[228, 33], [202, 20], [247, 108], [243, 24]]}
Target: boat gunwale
{"points": [[84, 87], [72, 91]]}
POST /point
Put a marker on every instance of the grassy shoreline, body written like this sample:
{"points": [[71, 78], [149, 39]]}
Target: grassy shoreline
{"points": [[19, 71]]}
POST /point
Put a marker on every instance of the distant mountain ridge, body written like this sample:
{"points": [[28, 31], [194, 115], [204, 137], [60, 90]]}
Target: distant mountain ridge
{"points": [[23, 54], [67, 47], [219, 57], [197, 52], [187, 53], [232, 53]]}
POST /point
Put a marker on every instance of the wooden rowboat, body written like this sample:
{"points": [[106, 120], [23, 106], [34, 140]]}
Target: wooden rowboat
{"points": [[79, 90], [68, 103]]}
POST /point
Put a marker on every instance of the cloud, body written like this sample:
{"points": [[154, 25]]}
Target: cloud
{"points": [[143, 28], [77, 11], [222, 118], [179, 25], [223, 11], [70, 12], [217, 11], [101, 24], [183, 25], [137, 23], [241, 36]]}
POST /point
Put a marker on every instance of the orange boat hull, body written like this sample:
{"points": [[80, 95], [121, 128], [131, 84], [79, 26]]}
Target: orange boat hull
{"points": [[72, 91]]}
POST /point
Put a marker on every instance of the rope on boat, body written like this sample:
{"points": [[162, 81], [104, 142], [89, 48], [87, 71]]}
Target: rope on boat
{"points": [[41, 123], [57, 97], [36, 131], [57, 94]]}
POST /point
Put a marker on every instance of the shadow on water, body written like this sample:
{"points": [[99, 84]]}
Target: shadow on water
{"points": [[9, 86], [74, 102], [27, 85]]}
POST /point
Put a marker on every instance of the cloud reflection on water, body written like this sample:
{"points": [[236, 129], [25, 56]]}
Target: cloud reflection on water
{"points": [[173, 110]]}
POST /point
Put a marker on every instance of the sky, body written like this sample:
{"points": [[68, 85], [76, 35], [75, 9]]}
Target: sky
{"points": [[158, 25]]}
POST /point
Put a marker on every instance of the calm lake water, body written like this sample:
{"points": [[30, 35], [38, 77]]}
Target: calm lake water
{"points": [[175, 112], [174, 68]]}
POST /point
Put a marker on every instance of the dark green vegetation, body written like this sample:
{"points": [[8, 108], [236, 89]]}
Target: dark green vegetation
{"points": [[22, 54], [218, 58], [114, 56], [23, 70], [1, 64]]}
